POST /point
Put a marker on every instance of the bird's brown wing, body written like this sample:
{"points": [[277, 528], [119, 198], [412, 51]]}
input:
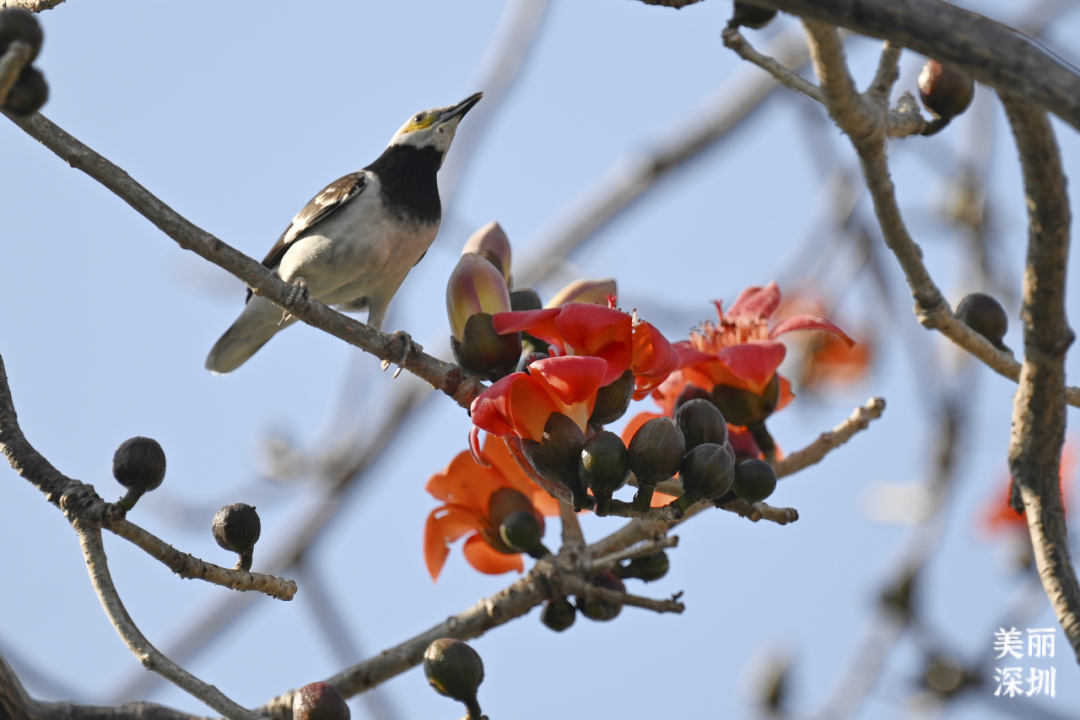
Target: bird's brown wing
{"points": [[333, 197]]}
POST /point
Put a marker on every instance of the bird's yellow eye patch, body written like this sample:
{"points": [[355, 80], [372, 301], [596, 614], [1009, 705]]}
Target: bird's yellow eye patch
{"points": [[420, 122]]}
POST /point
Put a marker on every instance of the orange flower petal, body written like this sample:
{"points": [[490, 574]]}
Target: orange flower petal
{"points": [[488, 560], [466, 483], [754, 362], [516, 405], [572, 382], [755, 302], [811, 322], [786, 395], [659, 499], [538, 323], [445, 525], [589, 327]]}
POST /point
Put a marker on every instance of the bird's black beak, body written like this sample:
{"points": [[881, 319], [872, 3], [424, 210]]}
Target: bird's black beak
{"points": [[456, 111]]}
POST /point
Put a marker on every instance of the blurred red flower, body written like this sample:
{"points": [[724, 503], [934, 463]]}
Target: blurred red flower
{"points": [[998, 515]]}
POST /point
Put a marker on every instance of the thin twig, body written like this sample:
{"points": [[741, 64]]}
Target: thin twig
{"points": [[735, 41], [761, 511], [79, 501], [1038, 430], [571, 585], [31, 5], [816, 451], [140, 647], [649, 547]]}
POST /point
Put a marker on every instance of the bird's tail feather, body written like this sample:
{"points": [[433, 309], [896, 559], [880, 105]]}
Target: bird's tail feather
{"points": [[256, 325]]}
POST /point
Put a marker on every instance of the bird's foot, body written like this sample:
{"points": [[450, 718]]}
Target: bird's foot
{"points": [[299, 290], [407, 349]]}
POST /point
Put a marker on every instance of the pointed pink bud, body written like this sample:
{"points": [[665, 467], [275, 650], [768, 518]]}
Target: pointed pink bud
{"points": [[584, 291], [475, 286], [491, 243]]}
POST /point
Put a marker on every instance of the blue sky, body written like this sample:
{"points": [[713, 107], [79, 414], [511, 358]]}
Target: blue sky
{"points": [[235, 114]]}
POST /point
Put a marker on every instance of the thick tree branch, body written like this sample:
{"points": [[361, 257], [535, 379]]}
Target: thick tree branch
{"points": [[1038, 429], [147, 654], [992, 53], [398, 349], [80, 501]]}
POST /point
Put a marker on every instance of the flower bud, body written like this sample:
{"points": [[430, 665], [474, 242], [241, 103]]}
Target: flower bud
{"points": [[525, 299], [692, 392], [700, 423], [751, 16], [983, 314], [521, 531], [28, 94], [707, 472], [604, 466], [946, 92], [613, 399], [743, 407], [557, 455], [139, 465], [647, 569], [655, 454], [483, 351], [585, 291], [602, 610], [455, 670], [755, 480], [319, 701], [20, 24], [558, 614], [490, 242], [475, 286], [237, 528]]}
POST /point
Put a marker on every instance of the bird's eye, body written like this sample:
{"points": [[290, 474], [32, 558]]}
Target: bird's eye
{"points": [[418, 118]]}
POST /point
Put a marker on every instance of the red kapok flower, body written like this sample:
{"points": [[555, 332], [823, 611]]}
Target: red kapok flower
{"points": [[465, 487], [825, 360], [740, 349], [583, 329], [520, 404]]}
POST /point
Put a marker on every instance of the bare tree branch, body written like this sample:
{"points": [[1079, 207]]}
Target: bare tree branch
{"points": [[1038, 430], [992, 53], [11, 64], [79, 501], [397, 348], [816, 451], [140, 647], [31, 5]]}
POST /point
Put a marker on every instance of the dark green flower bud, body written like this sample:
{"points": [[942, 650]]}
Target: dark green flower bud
{"points": [[237, 528], [503, 503], [319, 701], [604, 466], [558, 614], [28, 93], [692, 392], [707, 472], [20, 24], [755, 480], [613, 399], [601, 610], [139, 465], [751, 16], [483, 351], [529, 359], [983, 314], [701, 423], [525, 299], [655, 454], [648, 568], [522, 532], [742, 407], [556, 457], [455, 670], [946, 92]]}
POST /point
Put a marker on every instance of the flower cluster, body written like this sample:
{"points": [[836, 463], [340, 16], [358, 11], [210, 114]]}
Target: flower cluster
{"points": [[579, 363]]}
